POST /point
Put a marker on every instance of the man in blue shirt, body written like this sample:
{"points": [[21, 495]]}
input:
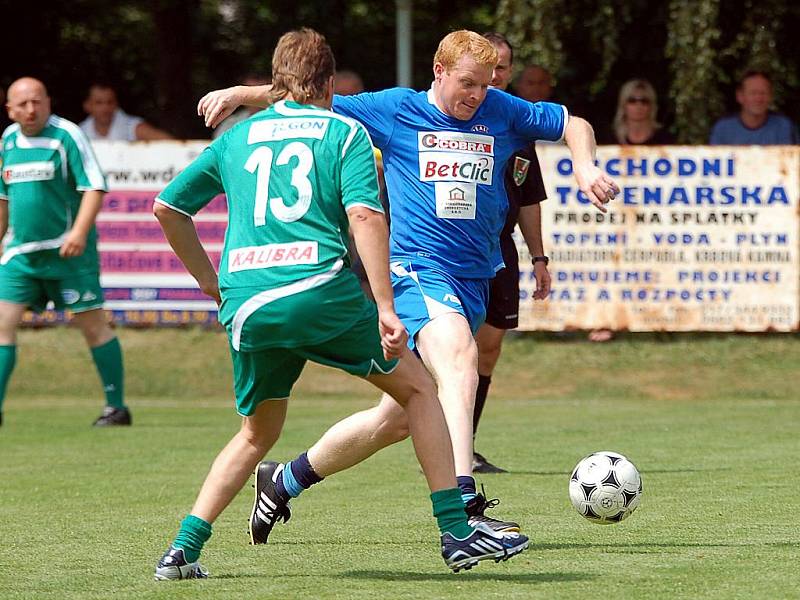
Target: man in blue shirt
{"points": [[755, 124], [445, 152]]}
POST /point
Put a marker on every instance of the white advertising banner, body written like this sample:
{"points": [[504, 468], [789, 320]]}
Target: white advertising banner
{"points": [[699, 239]]}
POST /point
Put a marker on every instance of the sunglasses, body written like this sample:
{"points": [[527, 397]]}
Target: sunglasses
{"points": [[638, 100]]}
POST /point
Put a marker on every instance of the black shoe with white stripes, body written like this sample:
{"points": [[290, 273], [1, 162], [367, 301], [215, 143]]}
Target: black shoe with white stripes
{"points": [[268, 506], [173, 566], [476, 509], [483, 544]]}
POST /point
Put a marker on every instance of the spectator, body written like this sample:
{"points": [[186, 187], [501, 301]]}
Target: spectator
{"points": [[243, 112], [637, 110], [755, 123], [347, 83], [107, 121], [534, 84], [635, 123]]}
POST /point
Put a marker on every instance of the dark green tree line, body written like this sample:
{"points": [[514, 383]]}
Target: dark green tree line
{"points": [[163, 54]]}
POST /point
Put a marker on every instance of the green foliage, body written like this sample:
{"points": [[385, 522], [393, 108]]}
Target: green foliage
{"points": [[692, 50], [692, 46]]}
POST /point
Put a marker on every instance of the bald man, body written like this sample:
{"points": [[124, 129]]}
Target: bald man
{"points": [[50, 193], [534, 84]]}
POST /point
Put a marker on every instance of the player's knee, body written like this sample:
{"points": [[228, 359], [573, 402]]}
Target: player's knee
{"points": [[393, 428]]}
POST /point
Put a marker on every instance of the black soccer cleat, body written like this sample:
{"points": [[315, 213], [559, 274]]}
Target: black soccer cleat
{"points": [[268, 506], [113, 417], [476, 508], [173, 566], [483, 544], [481, 465]]}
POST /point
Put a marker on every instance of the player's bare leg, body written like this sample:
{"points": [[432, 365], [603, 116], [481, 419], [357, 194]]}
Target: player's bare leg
{"points": [[449, 351], [359, 436], [229, 472], [10, 317], [233, 466], [450, 354], [415, 408], [107, 355]]}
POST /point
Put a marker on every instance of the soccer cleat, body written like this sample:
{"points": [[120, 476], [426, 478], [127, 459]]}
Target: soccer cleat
{"points": [[476, 508], [483, 544], [481, 465], [173, 566], [113, 417], [268, 506]]}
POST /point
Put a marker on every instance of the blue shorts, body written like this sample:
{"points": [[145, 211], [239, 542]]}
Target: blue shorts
{"points": [[422, 293]]}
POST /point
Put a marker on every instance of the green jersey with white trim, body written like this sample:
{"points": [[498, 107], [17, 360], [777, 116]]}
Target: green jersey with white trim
{"points": [[43, 180], [289, 173]]}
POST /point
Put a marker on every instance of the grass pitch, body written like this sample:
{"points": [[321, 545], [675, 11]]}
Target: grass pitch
{"points": [[710, 421]]}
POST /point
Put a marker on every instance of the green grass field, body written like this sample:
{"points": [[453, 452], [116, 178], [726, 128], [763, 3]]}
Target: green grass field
{"points": [[711, 421]]}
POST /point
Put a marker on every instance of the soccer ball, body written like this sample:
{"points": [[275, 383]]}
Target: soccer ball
{"points": [[605, 487]]}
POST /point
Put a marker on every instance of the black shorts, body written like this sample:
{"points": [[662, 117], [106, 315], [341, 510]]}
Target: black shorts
{"points": [[503, 309]]}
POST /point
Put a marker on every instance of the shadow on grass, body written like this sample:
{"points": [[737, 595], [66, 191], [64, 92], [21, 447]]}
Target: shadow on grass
{"points": [[463, 577], [644, 472], [654, 546]]}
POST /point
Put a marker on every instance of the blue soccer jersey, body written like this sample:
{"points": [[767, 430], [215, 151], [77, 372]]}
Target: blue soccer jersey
{"points": [[445, 176]]}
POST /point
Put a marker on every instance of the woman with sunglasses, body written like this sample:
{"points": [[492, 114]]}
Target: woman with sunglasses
{"points": [[635, 121]]}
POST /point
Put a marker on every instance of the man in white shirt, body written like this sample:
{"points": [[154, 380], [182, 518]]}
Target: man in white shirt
{"points": [[107, 121]]}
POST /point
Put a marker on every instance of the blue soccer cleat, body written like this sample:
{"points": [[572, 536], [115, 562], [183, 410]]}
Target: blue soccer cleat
{"points": [[483, 544], [173, 566]]}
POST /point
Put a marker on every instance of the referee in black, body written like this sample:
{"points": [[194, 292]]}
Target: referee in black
{"points": [[525, 190]]}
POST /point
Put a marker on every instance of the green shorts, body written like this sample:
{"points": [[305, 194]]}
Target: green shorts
{"points": [[80, 292], [269, 374]]}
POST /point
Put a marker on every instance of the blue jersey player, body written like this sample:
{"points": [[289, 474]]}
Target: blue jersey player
{"points": [[445, 152]]}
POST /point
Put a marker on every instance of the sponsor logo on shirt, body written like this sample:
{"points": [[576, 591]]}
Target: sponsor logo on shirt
{"points": [[272, 255], [480, 128], [30, 171], [455, 166], [270, 130], [454, 140]]}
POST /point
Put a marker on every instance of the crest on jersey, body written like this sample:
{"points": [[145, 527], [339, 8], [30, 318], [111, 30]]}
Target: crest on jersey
{"points": [[480, 128], [520, 172]]}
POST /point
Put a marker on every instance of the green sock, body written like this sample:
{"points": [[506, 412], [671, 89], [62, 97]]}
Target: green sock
{"points": [[8, 358], [448, 508], [194, 532], [108, 360]]}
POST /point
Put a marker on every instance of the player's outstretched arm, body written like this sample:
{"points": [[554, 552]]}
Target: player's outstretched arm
{"points": [[371, 235], [597, 186], [216, 106], [182, 236], [75, 243], [530, 225]]}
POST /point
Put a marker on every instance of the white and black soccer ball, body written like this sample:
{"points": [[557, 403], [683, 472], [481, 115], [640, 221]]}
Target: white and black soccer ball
{"points": [[605, 487]]}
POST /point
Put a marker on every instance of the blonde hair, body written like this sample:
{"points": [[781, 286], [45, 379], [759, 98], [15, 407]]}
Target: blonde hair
{"points": [[646, 89], [465, 43], [302, 65]]}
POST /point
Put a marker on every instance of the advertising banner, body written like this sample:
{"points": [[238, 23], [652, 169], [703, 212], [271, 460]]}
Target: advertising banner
{"points": [[699, 239]]}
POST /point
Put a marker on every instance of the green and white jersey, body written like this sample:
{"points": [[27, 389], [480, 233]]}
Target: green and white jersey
{"points": [[43, 179], [289, 173]]}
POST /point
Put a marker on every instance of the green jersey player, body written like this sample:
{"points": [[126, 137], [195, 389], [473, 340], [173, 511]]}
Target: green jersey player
{"points": [[298, 179], [50, 193]]}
